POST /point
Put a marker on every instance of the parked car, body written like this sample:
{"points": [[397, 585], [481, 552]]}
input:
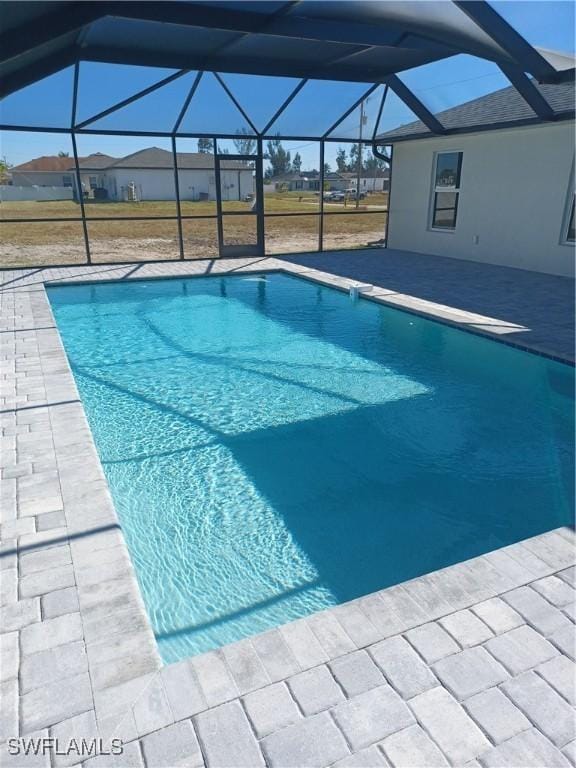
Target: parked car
{"points": [[338, 196], [334, 197]]}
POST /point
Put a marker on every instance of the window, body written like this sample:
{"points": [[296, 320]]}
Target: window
{"points": [[93, 182], [571, 232], [67, 181], [446, 189]]}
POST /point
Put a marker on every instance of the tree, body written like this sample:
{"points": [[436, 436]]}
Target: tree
{"points": [[63, 154], [341, 160], [327, 169], [244, 142], [297, 163], [278, 157], [353, 163], [373, 163], [205, 146], [4, 168]]}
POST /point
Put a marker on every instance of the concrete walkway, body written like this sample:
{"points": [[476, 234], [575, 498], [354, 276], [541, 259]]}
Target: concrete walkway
{"points": [[471, 665]]}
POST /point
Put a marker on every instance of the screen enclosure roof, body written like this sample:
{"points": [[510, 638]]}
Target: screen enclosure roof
{"points": [[351, 43]]}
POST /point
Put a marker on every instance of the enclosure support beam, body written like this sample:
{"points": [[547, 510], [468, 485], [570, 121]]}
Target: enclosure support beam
{"points": [[79, 190], [321, 200], [260, 231], [236, 102], [414, 104], [520, 51], [281, 25], [219, 222], [81, 198], [390, 162], [26, 37], [177, 191], [529, 92], [135, 97], [37, 71], [187, 101], [380, 110], [283, 106], [351, 109]]}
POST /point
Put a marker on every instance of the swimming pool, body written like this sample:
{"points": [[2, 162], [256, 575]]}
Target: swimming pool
{"points": [[274, 448]]}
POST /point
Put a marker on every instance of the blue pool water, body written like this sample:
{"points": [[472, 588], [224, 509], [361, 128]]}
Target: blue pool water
{"points": [[273, 448]]}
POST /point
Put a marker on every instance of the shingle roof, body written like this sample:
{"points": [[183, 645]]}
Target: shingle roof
{"points": [[296, 176], [495, 109], [47, 163], [154, 157], [96, 161], [373, 173]]}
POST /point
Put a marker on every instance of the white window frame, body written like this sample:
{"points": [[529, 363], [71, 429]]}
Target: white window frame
{"points": [[435, 189]]}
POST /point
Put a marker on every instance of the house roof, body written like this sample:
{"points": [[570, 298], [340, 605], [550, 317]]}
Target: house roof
{"points": [[55, 164], [156, 158], [496, 109], [46, 163], [150, 158], [96, 161], [296, 176], [374, 173]]}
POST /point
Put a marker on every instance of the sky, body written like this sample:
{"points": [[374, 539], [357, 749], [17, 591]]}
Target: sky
{"points": [[546, 23]]}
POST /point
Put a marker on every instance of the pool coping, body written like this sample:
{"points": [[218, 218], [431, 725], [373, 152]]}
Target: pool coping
{"points": [[132, 693], [463, 320]]}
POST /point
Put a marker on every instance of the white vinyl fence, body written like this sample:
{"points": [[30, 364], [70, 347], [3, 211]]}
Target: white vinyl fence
{"points": [[8, 193]]}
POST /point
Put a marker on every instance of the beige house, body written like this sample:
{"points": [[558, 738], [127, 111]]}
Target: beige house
{"points": [[502, 195]]}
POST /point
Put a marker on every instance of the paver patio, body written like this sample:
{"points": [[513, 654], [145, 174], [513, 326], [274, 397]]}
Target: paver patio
{"points": [[471, 665]]}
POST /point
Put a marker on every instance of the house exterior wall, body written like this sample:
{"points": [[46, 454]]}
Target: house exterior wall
{"points": [[99, 180], [194, 183], [513, 201], [338, 185], [297, 185], [367, 184], [372, 184], [158, 183], [41, 178], [237, 184]]}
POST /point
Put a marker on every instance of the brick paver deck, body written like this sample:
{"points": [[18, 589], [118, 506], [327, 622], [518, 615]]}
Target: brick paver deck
{"points": [[471, 665], [540, 307]]}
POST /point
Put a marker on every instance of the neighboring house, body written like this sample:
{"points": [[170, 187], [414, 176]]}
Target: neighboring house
{"points": [[47, 171], [93, 173], [303, 181], [149, 175], [376, 181], [310, 181], [144, 175], [500, 190]]}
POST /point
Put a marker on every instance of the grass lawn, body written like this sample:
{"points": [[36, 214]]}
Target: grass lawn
{"points": [[52, 242]]}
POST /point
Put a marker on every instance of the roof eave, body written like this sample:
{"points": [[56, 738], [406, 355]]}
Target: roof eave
{"points": [[496, 126]]}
